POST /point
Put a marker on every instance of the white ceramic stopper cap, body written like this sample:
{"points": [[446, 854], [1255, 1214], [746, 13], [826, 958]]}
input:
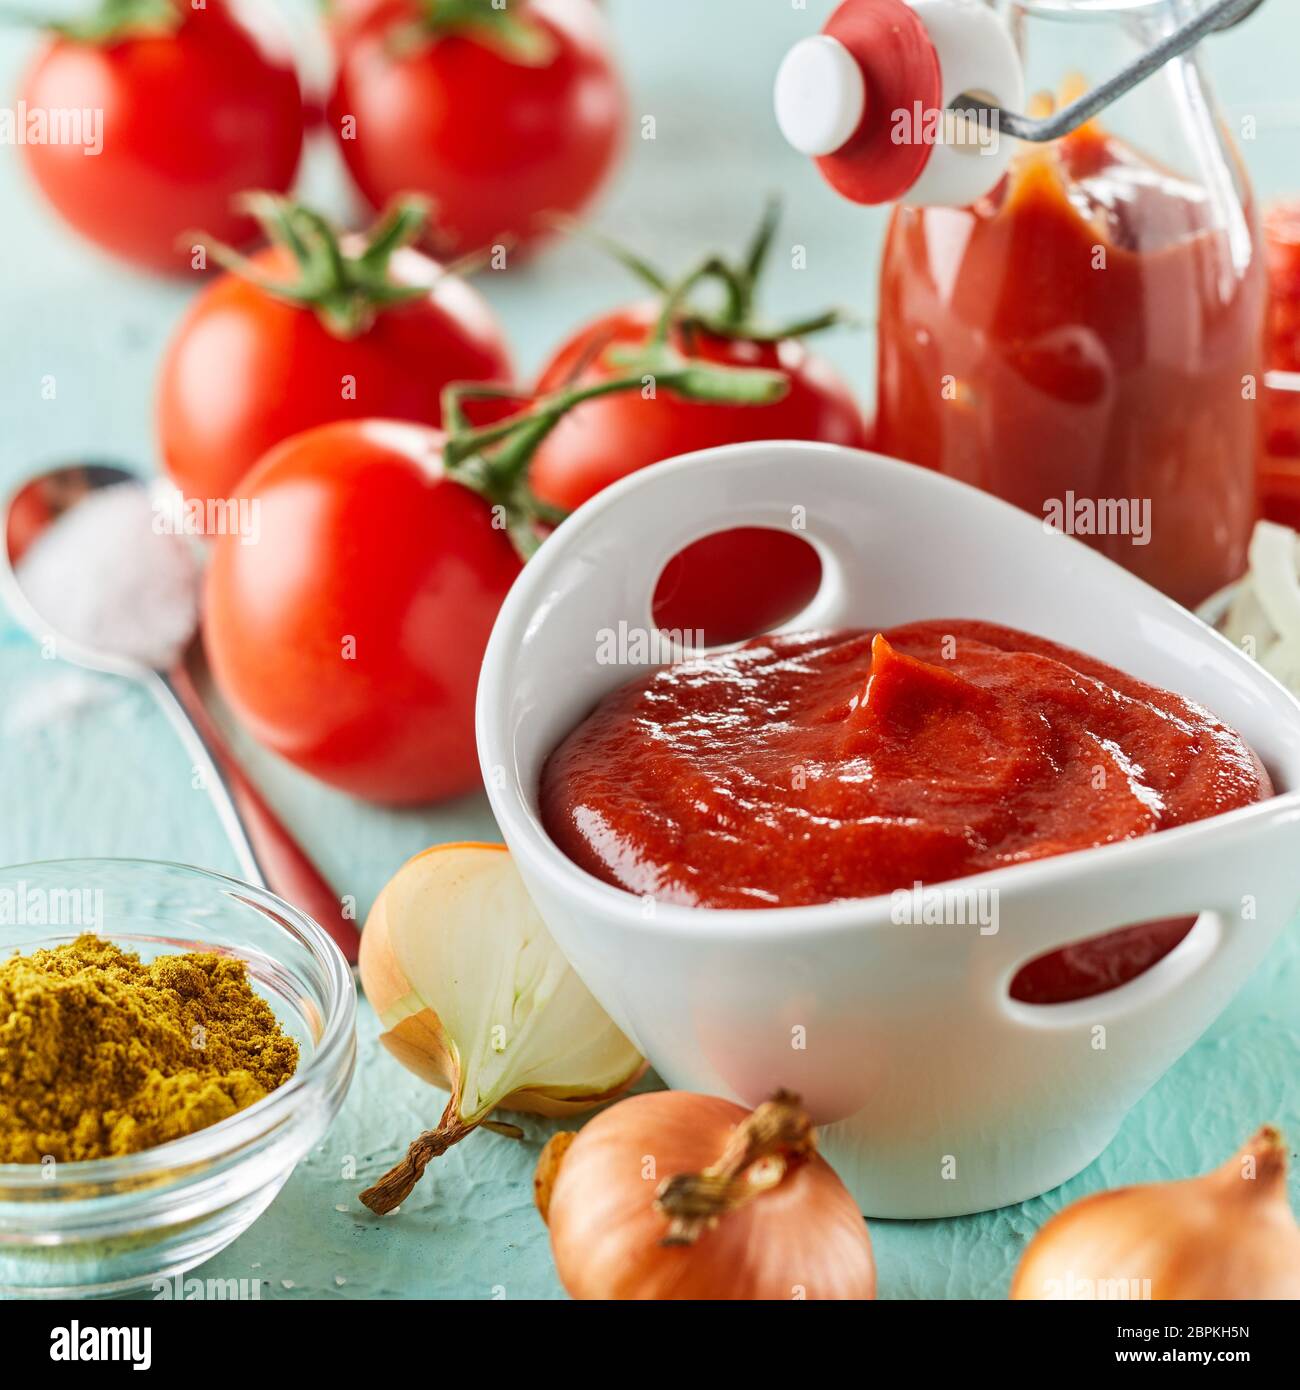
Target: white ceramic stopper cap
{"points": [[977, 55], [820, 95]]}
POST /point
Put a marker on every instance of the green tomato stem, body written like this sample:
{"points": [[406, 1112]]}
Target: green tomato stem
{"points": [[638, 266], [756, 257], [495, 459], [110, 22], [347, 292], [518, 38], [737, 318]]}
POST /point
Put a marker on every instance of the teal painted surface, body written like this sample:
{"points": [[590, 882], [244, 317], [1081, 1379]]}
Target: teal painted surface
{"points": [[110, 780]]}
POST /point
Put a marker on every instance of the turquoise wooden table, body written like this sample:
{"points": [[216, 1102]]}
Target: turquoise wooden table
{"points": [[91, 769]]}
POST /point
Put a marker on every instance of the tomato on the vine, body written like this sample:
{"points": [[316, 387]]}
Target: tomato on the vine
{"points": [[500, 115], [337, 331], [737, 583], [348, 635], [195, 108], [607, 439]]}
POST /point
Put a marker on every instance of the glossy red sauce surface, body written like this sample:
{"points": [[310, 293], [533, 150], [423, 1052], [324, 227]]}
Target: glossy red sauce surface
{"points": [[815, 767]]}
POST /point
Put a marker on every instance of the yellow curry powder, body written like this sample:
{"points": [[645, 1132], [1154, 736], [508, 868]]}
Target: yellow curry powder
{"points": [[103, 1055]]}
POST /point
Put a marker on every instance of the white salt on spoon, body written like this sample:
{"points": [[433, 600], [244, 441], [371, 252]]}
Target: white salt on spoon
{"points": [[104, 576]]}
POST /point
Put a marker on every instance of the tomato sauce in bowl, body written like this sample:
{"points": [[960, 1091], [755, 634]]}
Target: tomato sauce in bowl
{"points": [[812, 768]]}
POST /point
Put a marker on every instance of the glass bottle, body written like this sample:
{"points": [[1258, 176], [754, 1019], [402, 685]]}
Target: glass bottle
{"points": [[1087, 340]]}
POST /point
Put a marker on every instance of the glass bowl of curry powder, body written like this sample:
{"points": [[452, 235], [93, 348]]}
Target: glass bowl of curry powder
{"points": [[172, 1043]]}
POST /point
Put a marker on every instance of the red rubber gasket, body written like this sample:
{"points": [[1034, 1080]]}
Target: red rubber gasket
{"points": [[901, 68]]}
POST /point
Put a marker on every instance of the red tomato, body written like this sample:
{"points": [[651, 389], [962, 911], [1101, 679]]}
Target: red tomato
{"points": [[1282, 243], [245, 370], [348, 637], [1279, 480], [1279, 487], [1279, 471], [190, 119], [737, 583], [494, 141]]}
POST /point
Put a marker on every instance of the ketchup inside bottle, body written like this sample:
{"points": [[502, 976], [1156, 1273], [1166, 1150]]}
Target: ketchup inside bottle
{"points": [[1089, 334]]}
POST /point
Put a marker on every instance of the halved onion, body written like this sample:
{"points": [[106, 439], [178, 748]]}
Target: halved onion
{"points": [[1274, 578], [1263, 617], [476, 998]]}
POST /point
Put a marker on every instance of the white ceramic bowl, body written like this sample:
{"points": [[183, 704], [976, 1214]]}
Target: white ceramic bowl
{"points": [[942, 1095]]}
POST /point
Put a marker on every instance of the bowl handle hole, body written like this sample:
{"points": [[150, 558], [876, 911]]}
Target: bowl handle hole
{"points": [[1086, 969], [733, 585]]}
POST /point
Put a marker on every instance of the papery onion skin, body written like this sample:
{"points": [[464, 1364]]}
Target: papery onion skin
{"points": [[549, 1163], [805, 1238], [415, 1033], [418, 1042], [1220, 1236]]}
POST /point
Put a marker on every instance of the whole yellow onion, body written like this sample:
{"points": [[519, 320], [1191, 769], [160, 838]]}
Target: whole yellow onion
{"points": [[681, 1196], [476, 998], [1227, 1235]]}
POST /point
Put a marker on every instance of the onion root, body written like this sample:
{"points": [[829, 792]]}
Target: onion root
{"points": [[397, 1184]]}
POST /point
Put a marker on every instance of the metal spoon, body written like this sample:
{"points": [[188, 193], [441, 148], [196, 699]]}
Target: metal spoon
{"points": [[268, 854]]}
